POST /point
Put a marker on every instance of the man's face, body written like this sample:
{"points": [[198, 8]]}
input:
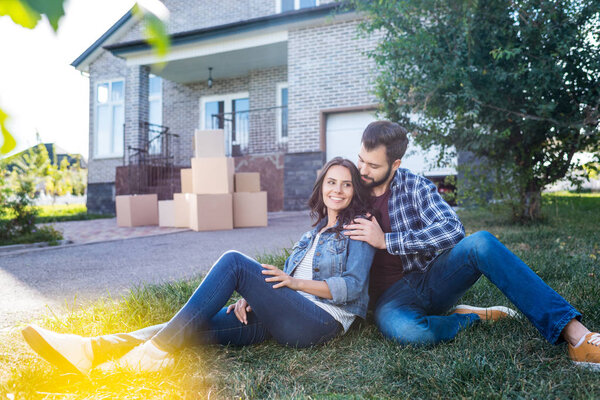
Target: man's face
{"points": [[374, 167]]}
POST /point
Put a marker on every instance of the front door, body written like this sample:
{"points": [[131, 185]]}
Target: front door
{"points": [[230, 113]]}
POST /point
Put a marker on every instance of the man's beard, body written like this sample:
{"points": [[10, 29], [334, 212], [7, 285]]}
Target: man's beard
{"points": [[375, 183]]}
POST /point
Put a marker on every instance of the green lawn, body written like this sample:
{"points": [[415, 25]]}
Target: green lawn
{"points": [[507, 359], [66, 212]]}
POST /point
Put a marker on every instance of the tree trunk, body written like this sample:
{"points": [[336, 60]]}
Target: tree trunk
{"points": [[531, 201]]}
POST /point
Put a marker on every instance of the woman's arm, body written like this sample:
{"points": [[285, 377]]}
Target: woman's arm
{"points": [[350, 284], [317, 288]]}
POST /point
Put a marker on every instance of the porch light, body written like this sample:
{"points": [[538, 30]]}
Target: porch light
{"points": [[210, 81]]}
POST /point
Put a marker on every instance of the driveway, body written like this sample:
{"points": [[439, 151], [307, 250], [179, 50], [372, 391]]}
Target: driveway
{"points": [[50, 278]]}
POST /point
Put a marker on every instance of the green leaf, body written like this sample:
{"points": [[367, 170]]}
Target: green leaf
{"points": [[9, 142], [20, 12], [154, 15], [53, 9]]}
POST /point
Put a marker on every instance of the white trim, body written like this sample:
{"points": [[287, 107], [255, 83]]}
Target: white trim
{"points": [[281, 85], [296, 5], [120, 152], [214, 46]]}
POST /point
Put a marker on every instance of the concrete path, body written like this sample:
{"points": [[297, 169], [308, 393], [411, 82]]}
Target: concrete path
{"points": [[33, 282]]}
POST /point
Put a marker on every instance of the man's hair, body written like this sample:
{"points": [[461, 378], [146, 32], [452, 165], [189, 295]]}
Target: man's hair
{"points": [[390, 134]]}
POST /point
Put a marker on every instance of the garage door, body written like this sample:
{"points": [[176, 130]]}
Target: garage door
{"points": [[344, 132]]}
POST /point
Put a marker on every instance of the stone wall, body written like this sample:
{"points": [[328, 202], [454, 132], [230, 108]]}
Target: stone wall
{"points": [[300, 173]]}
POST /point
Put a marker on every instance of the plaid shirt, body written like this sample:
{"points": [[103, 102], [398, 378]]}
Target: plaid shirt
{"points": [[422, 223]]}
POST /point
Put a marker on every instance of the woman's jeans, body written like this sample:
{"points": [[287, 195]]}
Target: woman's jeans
{"points": [[409, 312], [282, 314]]}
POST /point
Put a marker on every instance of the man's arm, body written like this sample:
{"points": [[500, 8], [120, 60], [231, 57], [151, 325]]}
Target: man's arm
{"points": [[442, 229]]}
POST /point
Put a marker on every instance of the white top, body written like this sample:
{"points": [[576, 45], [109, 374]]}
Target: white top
{"points": [[304, 271]]}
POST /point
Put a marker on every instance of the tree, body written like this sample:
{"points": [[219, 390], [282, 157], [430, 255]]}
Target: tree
{"points": [[515, 82]]}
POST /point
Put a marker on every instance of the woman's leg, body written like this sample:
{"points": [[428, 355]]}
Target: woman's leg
{"points": [[287, 315]]}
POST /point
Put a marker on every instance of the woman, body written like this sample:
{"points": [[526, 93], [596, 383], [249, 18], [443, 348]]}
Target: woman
{"points": [[321, 290]]}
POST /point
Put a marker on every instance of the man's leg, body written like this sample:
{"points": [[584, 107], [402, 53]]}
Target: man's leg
{"points": [[482, 253], [401, 314]]}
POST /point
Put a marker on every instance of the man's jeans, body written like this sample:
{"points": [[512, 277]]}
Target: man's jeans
{"points": [[282, 314], [409, 312]]}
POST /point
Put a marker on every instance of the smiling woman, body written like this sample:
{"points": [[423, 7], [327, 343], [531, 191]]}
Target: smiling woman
{"points": [[317, 296]]}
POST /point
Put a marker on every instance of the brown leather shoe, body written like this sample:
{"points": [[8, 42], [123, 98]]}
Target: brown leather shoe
{"points": [[485, 313]]}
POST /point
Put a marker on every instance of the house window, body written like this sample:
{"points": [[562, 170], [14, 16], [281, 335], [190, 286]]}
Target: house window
{"points": [[154, 113], [110, 117], [289, 5], [282, 112]]}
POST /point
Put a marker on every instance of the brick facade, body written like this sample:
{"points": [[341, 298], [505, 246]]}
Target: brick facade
{"points": [[327, 67]]}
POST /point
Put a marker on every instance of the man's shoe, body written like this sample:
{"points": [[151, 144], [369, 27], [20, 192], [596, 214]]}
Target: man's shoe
{"points": [[145, 357], [587, 354], [71, 353], [486, 313]]}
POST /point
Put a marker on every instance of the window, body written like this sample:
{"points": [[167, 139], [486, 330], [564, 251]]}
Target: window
{"points": [[289, 5], [154, 113], [282, 112], [110, 117]]}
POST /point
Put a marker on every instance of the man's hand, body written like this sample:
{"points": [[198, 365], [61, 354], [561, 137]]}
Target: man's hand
{"points": [[366, 230], [278, 275], [241, 310]]}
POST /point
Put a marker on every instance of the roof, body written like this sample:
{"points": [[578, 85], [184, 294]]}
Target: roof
{"points": [[197, 34], [96, 45]]}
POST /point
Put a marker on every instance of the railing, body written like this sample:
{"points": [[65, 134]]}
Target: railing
{"points": [[261, 130], [149, 166]]}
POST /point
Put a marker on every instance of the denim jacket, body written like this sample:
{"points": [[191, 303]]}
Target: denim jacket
{"points": [[342, 263]]}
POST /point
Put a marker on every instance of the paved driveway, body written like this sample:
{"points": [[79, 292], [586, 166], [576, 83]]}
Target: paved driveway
{"points": [[54, 277]]}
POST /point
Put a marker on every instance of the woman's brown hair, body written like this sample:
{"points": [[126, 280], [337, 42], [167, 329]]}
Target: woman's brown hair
{"points": [[361, 201]]}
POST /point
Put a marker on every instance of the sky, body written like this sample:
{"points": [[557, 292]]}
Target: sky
{"points": [[39, 89]]}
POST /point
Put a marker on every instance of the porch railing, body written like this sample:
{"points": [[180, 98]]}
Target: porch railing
{"points": [[260, 130], [149, 166]]}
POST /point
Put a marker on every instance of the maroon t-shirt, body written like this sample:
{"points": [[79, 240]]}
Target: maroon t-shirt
{"points": [[387, 268]]}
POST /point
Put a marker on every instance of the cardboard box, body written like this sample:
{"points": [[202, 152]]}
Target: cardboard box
{"points": [[247, 182], [166, 213], [209, 143], [182, 209], [186, 181], [211, 175], [137, 210], [249, 209], [211, 212]]}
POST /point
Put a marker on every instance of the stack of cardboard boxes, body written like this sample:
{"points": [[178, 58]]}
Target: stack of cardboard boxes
{"points": [[212, 196]]}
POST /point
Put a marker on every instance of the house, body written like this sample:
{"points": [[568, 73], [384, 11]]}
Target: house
{"points": [[288, 81]]}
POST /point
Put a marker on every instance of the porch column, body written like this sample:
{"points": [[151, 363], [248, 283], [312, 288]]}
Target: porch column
{"points": [[136, 105]]}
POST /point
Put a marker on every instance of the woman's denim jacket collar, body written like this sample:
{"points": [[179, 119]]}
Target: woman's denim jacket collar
{"points": [[341, 262]]}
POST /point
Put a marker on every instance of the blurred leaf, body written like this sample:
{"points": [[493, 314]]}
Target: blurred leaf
{"points": [[8, 141], [154, 16], [20, 12], [53, 9]]}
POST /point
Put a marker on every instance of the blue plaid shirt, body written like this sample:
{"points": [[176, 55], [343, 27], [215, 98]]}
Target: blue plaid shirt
{"points": [[422, 223]]}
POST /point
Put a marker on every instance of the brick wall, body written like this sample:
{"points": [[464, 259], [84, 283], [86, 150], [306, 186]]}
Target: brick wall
{"points": [[186, 15], [327, 67]]}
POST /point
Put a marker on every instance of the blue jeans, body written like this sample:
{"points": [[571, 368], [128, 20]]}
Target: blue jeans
{"points": [[409, 312], [282, 314]]}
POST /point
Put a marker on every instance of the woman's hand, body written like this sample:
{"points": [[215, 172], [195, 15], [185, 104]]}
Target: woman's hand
{"points": [[241, 309], [278, 275]]}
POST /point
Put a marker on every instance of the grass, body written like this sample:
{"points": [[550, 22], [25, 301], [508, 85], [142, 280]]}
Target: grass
{"points": [[66, 212], [507, 359]]}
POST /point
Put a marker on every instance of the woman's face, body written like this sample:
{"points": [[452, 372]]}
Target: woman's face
{"points": [[337, 188]]}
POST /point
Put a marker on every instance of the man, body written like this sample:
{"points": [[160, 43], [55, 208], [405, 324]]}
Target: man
{"points": [[425, 263]]}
